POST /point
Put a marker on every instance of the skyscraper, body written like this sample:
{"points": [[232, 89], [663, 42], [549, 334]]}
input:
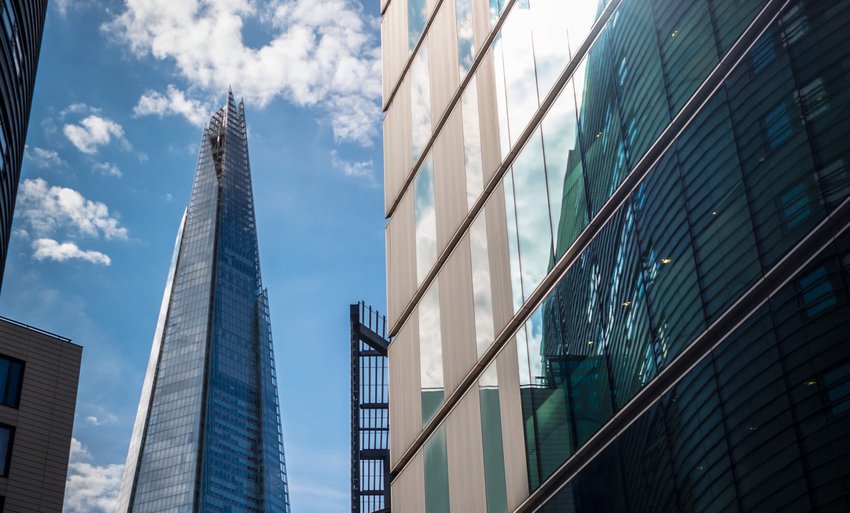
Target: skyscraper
{"points": [[207, 435], [618, 256], [20, 41]]}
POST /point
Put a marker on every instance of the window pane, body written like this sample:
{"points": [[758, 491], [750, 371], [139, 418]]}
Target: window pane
{"points": [[420, 101], [430, 353]]}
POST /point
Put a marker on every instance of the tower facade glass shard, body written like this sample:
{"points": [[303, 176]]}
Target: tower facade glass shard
{"points": [[207, 435]]}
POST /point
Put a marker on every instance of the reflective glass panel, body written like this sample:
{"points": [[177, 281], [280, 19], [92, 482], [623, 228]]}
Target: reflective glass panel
{"points": [[491, 437], [465, 40], [430, 353], [420, 101], [425, 219], [417, 16], [481, 288]]}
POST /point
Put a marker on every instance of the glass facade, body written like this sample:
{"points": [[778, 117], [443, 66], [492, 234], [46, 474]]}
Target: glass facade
{"points": [[21, 26], [636, 174], [207, 434], [760, 425]]}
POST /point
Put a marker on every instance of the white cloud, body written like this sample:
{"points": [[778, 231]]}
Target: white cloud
{"points": [[322, 54], [93, 131], [90, 488], [48, 208], [173, 102], [62, 6], [79, 108], [43, 158], [360, 169], [49, 249], [107, 169], [94, 421]]}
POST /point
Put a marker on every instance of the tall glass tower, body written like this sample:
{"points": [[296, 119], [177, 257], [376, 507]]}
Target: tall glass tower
{"points": [[207, 434]]}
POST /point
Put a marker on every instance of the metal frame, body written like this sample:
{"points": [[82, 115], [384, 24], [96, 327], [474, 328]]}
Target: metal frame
{"points": [[370, 454]]}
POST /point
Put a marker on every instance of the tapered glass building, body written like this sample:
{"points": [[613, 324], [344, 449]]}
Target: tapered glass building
{"points": [[207, 436], [618, 261]]}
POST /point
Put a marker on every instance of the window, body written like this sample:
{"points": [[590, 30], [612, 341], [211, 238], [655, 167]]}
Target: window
{"points": [[11, 379], [7, 435]]}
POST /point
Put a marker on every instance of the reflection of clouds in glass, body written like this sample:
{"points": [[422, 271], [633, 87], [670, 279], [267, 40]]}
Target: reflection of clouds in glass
{"points": [[430, 340], [420, 100], [534, 330], [471, 144], [520, 82], [425, 219], [465, 45], [501, 96], [529, 340], [532, 213], [522, 357], [560, 139], [482, 295], [489, 378], [417, 14], [579, 83], [513, 247], [550, 19], [497, 7]]}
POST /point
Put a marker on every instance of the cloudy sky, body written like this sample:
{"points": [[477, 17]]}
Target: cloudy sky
{"points": [[123, 89]]}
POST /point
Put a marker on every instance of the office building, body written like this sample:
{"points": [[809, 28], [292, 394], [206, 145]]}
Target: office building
{"points": [[207, 435], [618, 268], [20, 42], [39, 372]]}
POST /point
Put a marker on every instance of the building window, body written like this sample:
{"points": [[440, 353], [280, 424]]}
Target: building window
{"points": [[11, 379], [7, 435]]}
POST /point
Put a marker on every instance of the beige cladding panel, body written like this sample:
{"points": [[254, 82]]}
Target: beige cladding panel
{"points": [[457, 316], [408, 489], [449, 179], [500, 266], [513, 436], [404, 389], [43, 422], [401, 258], [398, 144], [491, 156], [384, 4], [480, 22], [467, 492], [442, 56], [394, 45]]}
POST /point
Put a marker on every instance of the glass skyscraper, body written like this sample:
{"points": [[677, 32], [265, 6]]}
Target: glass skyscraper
{"points": [[21, 27], [618, 258], [207, 436]]}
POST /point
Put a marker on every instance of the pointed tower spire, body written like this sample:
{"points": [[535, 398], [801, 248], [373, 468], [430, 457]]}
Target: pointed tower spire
{"points": [[209, 406]]}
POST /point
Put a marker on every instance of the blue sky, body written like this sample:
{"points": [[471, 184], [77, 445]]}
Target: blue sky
{"points": [[122, 89]]}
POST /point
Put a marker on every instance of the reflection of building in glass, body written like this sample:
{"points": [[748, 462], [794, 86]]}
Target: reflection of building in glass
{"points": [[207, 434], [20, 41], [622, 228], [370, 430]]}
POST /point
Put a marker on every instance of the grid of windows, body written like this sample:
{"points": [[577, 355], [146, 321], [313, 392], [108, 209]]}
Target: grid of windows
{"points": [[760, 425], [21, 26]]}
